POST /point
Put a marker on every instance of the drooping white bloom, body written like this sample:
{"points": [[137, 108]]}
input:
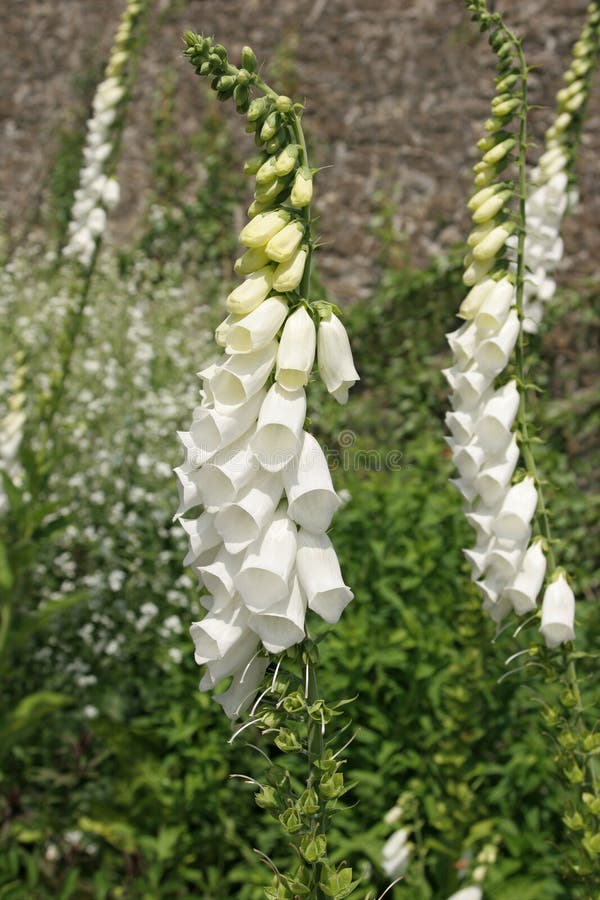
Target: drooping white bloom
{"points": [[311, 497], [258, 328], [264, 575], [469, 893], [296, 353], [395, 855], [558, 612], [334, 357], [320, 576], [279, 427]]}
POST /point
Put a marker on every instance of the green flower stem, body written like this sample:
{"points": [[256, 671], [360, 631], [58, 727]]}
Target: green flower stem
{"points": [[315, 748]]}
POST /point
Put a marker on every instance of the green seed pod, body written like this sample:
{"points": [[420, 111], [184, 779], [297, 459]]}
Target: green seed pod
{"points": [[270, 127], [216, 61], [258, 108], [266, 798], [249, 61], [504, 50], [291, 820], [313, 848], [309, 802]]}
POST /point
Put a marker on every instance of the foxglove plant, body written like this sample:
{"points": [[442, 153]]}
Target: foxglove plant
{"points": [[513, 555], [553, 184], [98, 192], [258, 481]]}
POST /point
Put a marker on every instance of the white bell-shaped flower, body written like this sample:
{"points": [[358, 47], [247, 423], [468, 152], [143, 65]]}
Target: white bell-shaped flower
{"points": [[296, 354], [496, 475], [479, 556], [219, 576], [288, 274], [240, 376], [468, 460], [558, 613], [241, 523], [258, 328], [311, 497], [525, 587], [320, 576], [243, 688], [492, 313], [395, 854], [217, 633], [494, 426], [471, 390], [463, 343], [226, 473], [493, 354], [216, 430], [264, 575], [505, 557], [190, 492], [461, 425], [202, 534], [234, 660], [513, 520], [334, 357], [279, 427], [282, 624], [469, 893], [472, 303]]}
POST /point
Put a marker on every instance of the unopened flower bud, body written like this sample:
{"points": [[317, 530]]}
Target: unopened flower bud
{"points": [[302, 190]]}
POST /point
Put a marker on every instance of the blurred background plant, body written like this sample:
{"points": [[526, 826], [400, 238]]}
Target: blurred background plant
{"points": [[114, 781]]}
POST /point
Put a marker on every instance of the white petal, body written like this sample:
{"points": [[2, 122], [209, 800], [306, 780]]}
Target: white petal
{"points": [[202, 534], [334, 355], [241, 523], [311, 497], [495, 476], [493, 354], [258, 328], [517, 510], [524, 588], [243, 688], [277, 438], [282, 624], [219, 576], [494, 426], [265, 572], [320, 576], [215, 429], [228, 472], [296, 353], [236, 658], [241, 376], [217, 633], [558, 613], [495, 308]]}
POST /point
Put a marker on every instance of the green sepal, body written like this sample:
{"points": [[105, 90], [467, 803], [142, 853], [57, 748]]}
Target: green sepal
{"points": [[291, 820], [313, 847]]}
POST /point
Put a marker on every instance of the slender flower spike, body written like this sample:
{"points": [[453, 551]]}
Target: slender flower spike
{"points": [[255, 486], [98, 191], [488, 424]]}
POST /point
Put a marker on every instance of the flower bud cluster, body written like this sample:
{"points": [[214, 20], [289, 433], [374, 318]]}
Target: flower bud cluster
{"points": [[11, 430], [98, 191], [260, 546], [553, 188]]}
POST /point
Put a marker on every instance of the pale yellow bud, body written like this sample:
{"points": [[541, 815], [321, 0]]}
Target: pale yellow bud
{"points": [[252, 260], [302, 190], [491, 207], [286, 160], [263, 227], [286, 242], [493, 242], [498, 152], [251, 293], [476, 235], [266, 193], [267, 172], [288, 274]]}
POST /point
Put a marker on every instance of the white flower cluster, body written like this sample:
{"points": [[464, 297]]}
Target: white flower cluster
{"points": [[507, 567], [260, 546], [11, 434], [98, 191], [544, 211]]}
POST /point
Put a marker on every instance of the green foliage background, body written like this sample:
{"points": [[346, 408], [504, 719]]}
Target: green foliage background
{"points": [[114, 770]]}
